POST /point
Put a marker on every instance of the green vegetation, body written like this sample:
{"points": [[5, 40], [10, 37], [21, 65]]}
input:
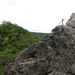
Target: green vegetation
{"points": [[13, 39], [41, 35], [1, 74], [14, 66]]}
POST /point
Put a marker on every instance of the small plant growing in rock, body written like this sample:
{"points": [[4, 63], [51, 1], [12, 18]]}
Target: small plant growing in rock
{"points": [[73, 74], [14, 66], [1, 74], [36, 58]]}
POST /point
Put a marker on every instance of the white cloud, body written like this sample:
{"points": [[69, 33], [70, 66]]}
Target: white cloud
{"points": [[36, 15]]}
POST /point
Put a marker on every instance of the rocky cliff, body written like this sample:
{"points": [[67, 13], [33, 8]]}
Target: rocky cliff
{"points": [[53, 55]]}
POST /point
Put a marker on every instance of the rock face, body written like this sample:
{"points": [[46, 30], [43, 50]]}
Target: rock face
{"points": [[53, 55], [71, 21]]}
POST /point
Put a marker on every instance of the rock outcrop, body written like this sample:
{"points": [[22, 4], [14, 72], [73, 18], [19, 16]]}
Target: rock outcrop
{"points": [[53, 55]]}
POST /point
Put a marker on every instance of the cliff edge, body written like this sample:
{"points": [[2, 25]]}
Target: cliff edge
{"points": [[53, 55]]}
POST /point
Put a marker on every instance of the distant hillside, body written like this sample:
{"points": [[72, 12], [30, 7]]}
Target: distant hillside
{"points": [[14, 39], [41, 35]]}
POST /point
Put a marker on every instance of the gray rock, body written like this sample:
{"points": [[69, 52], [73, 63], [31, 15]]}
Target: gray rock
{"points": [[58, 73], [53, 55], [71, 21], [12, 72]]}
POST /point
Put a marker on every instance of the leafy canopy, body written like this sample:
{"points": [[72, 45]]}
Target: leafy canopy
{"points": [[14, 39]]}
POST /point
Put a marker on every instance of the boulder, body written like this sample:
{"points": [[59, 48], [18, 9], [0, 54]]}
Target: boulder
{"points": [[53, 55]]}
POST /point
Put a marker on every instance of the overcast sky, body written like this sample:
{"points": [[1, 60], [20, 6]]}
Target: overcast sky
{"points": [[36, 15]]}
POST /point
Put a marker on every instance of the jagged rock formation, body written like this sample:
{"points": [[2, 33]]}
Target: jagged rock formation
{"points": [[53, 55]]}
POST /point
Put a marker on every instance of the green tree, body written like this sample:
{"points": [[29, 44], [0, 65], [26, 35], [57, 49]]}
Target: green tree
{"points": [[6, 41], [13, 39]]}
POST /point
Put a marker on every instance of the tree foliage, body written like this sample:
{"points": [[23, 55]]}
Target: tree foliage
{"points": [[14, 39], [41, 35]]}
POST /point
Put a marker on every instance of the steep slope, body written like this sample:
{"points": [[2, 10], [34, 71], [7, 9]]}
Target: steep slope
{"points": [[13, 39], [53, 55]]}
